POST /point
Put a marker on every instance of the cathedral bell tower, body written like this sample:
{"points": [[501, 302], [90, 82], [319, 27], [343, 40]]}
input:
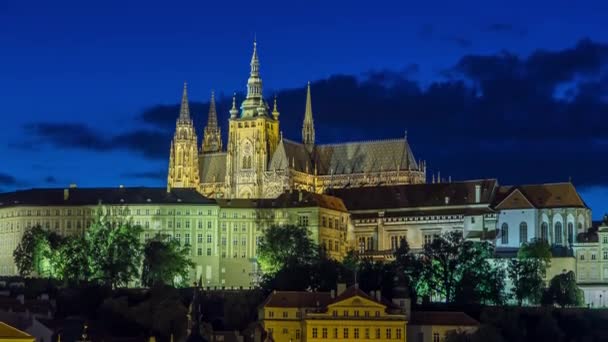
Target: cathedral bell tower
{"points": [[253, 136], [183, 158]]}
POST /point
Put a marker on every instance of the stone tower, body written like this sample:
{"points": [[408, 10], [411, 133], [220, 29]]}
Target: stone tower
{"points": [[253, 137], [183, 158], [212, 139], [308, 127]]}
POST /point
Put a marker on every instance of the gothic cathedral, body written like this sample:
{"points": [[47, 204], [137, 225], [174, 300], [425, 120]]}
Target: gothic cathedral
{"points": [[259, 163]]}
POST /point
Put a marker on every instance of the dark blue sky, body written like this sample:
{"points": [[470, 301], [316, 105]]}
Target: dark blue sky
{"points": [[516, 90]]}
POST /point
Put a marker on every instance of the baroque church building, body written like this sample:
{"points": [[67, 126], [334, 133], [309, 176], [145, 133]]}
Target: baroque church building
{"points": [[259, 163]]}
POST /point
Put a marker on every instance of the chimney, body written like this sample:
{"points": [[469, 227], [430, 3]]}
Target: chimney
{"points": [[378, 295], [477, 193], [333, 294], [66, 194], [340, 288]]}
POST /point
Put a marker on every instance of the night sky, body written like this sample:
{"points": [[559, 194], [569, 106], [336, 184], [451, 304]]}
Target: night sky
{"points": [[513, 90]]}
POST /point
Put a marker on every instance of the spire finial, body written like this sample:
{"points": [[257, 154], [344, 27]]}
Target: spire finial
{"points": [[275, 110], [234, 111], [308, 128], [184, 111]]}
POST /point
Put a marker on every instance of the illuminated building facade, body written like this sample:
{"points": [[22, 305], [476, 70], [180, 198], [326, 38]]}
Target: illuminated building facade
{"points": [[346, 315], [222, 234], [259, 163]]}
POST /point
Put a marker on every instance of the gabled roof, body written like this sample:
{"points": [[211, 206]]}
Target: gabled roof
{"points": [[441, 318], [345, 158], [355, 291], [364, 156], [8, 332], [94, 196], [553, 195], [297, 299], [416, 195], [294, 199]]}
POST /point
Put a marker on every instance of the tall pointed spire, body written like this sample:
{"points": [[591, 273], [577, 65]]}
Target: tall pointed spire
{"points": [[254, 104], [212, 139], [184, 111], [308, 128], [275, 110], [234, 111], [212, 119], [255, 61]]}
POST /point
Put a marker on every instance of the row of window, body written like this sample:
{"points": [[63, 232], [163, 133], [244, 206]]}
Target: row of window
{"points": [[389, 333], [544, 233], [113, 210], [592, 255]]}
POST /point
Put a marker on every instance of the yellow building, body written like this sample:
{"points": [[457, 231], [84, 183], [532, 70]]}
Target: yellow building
{"points": [[429, 326], [10, 334], [222, 234], [325, 316]]}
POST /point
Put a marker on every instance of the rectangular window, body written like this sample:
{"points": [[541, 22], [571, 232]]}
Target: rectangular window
{"points": [[285, 314], [208, 251], [178, 237], [223, 241], [324, 333], [178, 224], [315, 332], [398, 333], [200, 224], [605, 255], [592, 256], [436, 337], [297, 334], [367, 333], [199, 251], [356, 333], [377, 333], [335, 333], [388, 333], [187, 239], [334, 313], [199, 238], [209, 225], [243, 241], [345, 313], [209, 238], [303, 220], [285, 331], [345, 332]]}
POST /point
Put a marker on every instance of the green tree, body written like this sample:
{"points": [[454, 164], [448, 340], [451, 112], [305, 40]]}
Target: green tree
{"points": [[165, 262], [282, 246], [480, 278], [528, 271], [563, 291], [114, 248], [36, 252], [72, 261]]}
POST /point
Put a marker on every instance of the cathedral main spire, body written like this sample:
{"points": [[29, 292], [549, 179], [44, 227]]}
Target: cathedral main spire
{"points": [[254, 104], [308, 128], [212, 139]]}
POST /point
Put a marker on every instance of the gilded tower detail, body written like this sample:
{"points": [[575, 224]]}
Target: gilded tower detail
{"points": [[259, 163], [183, 158]]}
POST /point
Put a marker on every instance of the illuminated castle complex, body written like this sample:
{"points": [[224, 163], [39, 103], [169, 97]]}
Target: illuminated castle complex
{"points": [[259, 163]]}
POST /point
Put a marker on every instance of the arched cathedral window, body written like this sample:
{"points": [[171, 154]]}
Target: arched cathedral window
{"points": [[544, 231], [570, 232], [558, 233], [523, 232], [504, 234]]}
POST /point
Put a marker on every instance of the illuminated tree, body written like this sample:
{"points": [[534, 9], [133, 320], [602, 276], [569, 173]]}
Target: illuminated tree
{"points": [[114, 248], [36, 252], [165, 262], [528, 271], [72, 260], [563, 291], [282, 246]]}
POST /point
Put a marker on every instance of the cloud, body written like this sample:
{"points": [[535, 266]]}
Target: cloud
{"points": [[6, 179], [50, 180], [496, 116], [505, 28], [154, 175], [152, 144]]}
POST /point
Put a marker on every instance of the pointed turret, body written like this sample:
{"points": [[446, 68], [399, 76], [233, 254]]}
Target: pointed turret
{"points": [[275, 110], [212, 139], [184, 111], [234, 111], [308, 128]]}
